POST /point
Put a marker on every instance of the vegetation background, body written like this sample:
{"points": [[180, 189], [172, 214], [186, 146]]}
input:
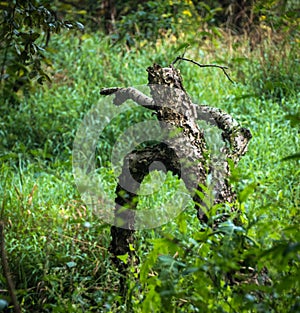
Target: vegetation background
{"points": [[55, 57]]}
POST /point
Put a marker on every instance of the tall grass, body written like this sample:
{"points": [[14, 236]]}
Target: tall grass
{"points": [[58, 248]]}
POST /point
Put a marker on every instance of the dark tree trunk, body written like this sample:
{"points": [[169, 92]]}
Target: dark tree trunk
{"points": [[110, 12]]}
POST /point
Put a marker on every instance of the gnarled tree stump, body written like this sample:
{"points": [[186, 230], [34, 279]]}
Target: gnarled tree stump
{"points": [[184, 154]]}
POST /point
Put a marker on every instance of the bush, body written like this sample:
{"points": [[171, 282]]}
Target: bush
{"points": [[26, 28]]}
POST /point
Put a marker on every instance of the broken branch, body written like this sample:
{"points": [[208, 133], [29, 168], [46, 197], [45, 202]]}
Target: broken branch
{"points": [[223, 68]]}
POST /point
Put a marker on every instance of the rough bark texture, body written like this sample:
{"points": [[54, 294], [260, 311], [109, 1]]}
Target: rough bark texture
{"points": [[186, 154]]}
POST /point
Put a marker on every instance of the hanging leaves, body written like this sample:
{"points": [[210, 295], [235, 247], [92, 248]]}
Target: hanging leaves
{"points": [[26, 28]]}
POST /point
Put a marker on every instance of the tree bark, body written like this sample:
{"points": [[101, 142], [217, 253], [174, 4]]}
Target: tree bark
{"points": [[110, 12], [185, 155]]}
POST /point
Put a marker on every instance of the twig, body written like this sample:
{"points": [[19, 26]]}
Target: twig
{"points": [[6, 272], [223, 68], [183, 54]]}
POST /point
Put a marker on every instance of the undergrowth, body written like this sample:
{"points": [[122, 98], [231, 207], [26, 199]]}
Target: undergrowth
{"points": [[58, 247]]}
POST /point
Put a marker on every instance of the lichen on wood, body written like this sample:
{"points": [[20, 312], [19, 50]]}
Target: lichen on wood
{"points": [[186, 154]]}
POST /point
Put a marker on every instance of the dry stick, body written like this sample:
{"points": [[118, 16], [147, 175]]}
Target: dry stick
{"points": [[223, 68], [6, 272]]}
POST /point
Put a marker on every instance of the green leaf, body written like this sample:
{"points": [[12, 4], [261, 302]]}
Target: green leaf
{"points": [[243, 195], [17, 47], [71, 264], [166, 259], [123, 258], [229, 227], [181, 47], [80, 26], [190, 270], [152, 302]]}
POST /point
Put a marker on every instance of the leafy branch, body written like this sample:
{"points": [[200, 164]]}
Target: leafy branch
{"points": [[26, 28]]}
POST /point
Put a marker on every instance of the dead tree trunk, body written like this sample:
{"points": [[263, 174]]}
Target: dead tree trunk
{"points": [[184, 154]]}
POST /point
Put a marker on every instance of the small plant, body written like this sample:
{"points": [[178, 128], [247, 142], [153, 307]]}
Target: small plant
{"points": [[26, 28]]}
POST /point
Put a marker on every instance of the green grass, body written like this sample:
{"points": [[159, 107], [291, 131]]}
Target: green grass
{"points": [[58, 247]]}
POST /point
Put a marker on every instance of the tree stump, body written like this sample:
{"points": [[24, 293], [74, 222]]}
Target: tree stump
{"points": [[184, 153]]}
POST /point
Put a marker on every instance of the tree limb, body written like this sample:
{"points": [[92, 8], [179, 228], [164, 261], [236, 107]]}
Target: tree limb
{"points": [[233, 133], [123, 94]]}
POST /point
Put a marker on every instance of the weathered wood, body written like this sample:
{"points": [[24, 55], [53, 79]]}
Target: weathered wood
{"points": [[185, 154]]}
